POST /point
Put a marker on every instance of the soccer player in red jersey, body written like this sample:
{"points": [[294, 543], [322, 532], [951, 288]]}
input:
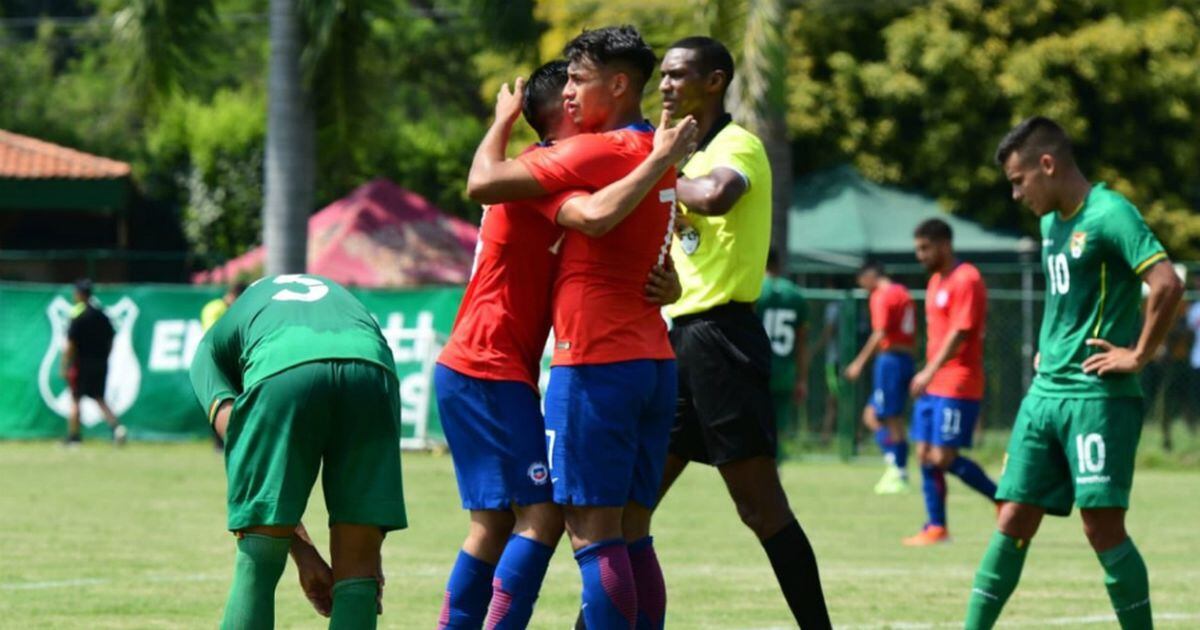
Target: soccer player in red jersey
{"points": [[950, 386], [486, 377], [610, 403], [893, 325]]}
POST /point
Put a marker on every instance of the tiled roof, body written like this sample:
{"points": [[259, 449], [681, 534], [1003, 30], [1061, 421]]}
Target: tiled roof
{"points": [[22, 157]]}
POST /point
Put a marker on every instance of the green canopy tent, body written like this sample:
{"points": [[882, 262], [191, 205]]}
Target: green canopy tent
{"points": [[840, 218]]}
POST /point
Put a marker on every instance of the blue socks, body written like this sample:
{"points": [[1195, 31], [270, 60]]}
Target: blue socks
{"points": [[518, 579], [468, 592], [933, 485], [972, 475], [609, 595]]}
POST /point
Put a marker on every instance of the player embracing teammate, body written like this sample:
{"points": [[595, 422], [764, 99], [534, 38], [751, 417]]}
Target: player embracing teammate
{"points": [[612, 382]]}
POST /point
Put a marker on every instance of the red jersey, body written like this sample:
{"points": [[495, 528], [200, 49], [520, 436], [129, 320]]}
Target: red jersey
{"points": [[892, 311], [957, 301], [504, 319], [600, 312]]}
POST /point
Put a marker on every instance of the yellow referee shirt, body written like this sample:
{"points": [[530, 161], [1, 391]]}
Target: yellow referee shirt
{"points": [[723, 258]]}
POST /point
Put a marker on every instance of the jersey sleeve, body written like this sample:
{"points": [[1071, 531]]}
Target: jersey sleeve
{"points": [[742, 153], [549, 205], [213, 370], [967, 302], [583, 162], [879, 311], [1131, 237]]}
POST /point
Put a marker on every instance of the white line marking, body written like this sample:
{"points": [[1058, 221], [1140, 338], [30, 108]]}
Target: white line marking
{"points": [[33, 586], [1017, 622]]}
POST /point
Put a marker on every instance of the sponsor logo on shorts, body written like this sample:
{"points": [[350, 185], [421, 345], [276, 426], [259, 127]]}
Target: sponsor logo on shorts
{"points": [[562, 345], [539, 474], [1092, 479]]}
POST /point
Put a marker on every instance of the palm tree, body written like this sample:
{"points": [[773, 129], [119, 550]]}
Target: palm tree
{"points": [[754, 32], [165, 44], [291, 145]]}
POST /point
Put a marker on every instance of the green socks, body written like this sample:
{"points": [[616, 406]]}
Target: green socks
{"points": [[995, 580], [354, 606], [1128, 585], [260, 561]]}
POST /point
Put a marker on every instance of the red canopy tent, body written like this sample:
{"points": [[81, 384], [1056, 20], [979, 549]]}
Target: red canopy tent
{"points": [[380, 235]]}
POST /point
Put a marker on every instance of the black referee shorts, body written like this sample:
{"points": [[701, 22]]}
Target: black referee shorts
{"points": [[88, 379], [725, 412]]}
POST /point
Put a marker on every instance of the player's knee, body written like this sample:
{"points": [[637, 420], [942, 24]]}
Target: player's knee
{"points": [[1018, 521], [1103, 533], [542, 522], [764, 517], [940, 457]]}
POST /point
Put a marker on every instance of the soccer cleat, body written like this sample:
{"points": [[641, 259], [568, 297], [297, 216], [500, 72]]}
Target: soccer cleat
{"points": [[892, 482], [119, 435], [72, 441], [931, 535]]}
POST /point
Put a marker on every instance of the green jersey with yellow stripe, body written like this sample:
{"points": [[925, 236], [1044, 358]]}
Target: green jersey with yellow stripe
{"points": [[1093, 261]]}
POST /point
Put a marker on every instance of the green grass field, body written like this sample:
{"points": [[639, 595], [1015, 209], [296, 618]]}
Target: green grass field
{"points": [[134, 538]]}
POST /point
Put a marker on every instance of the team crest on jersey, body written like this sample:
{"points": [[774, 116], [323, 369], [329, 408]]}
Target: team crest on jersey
{"points": [[689, 240], [1078, 241], [538, 474], [124, 371], [943, 296]]}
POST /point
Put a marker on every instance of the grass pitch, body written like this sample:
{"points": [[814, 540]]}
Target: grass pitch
{"points": [[134, 538]]}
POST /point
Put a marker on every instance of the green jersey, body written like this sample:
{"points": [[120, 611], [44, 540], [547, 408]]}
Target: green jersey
{"points": [[278, 323], [1093, 263], [783, 311]]}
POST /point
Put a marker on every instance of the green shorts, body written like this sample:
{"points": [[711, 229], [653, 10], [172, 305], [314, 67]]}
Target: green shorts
{"points": [[342, 414], [1066, 451]]}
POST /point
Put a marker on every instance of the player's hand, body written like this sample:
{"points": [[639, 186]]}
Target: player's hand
{"points": [[508, 102], [800, 393], [1037, 361], [1111, 359], [678, 142], [662, 285], [920, 382], [853, 371], [316, 577]]}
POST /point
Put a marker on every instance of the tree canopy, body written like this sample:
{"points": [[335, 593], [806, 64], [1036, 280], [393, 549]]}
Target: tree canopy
{"points": [[912, 93]]}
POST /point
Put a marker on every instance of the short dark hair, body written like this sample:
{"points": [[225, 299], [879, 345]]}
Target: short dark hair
{"points": [[1037, 134], [934, 230], [620, 46], [872, 265], [543, 93], [712, 55], [84, 287]]}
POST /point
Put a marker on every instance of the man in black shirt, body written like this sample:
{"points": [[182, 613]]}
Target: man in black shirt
{"points": [[85, 361]]}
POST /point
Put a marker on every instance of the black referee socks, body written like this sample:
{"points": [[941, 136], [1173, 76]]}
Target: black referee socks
{"points": [[795, 567]]}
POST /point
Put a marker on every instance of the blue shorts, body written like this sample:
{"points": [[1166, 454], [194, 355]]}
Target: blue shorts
{"points": [[608, 427], [893, 373], [942, 421], [497, 440]]}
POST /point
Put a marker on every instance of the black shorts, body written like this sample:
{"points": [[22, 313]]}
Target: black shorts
{"points": [[88, 379], [725, 412]]}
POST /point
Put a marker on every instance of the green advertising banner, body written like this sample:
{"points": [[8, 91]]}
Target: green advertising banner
{"points": [[157, 331]]}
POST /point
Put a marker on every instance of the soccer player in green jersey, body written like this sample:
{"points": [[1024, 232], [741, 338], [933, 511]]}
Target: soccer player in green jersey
{"points": [[1077, 431], [784, 315], [297, 377]]}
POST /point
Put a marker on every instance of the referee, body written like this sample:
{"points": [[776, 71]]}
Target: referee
{"points": [[725, 414]]}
